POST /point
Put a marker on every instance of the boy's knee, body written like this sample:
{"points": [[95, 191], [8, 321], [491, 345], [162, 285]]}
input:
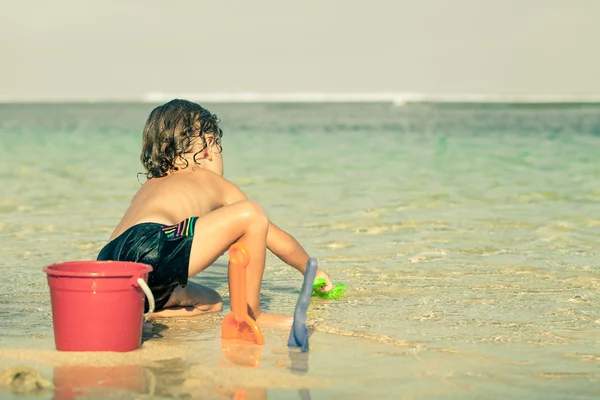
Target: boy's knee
{"points": [[207, 308], [217, 304], [213, 302], [253, 213], [215, 307]]}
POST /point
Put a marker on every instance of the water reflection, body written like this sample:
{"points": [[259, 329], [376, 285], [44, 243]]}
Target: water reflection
{"points": [[184, 377], [245, 354], [298, 361], [72, 382], [240, 353], [299, 365]]}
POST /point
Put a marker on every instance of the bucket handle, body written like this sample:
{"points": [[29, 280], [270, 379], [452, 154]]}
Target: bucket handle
{"points": [[149, 296]]}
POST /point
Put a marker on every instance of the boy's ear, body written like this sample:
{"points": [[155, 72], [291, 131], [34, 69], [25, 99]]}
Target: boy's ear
{"points": [[206, 153]]}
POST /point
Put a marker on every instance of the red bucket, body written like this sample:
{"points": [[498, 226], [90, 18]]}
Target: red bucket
{"points": [[98, 305]]}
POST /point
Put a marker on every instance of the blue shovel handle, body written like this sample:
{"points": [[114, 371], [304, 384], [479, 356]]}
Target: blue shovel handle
{"points": [[299, 332]]}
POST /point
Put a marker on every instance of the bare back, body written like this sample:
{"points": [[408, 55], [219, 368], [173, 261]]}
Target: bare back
{"points": [[175, 197]]}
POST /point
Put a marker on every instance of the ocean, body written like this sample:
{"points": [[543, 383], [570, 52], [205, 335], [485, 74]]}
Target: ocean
{"points": [[467, 235]]}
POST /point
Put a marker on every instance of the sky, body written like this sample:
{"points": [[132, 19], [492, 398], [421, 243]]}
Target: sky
{"points": [[110, 49]]}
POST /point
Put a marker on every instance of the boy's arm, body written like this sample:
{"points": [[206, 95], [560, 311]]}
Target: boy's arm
{"points": [[279, 242], [284, 246]]}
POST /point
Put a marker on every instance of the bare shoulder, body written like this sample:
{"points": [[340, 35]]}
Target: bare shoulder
{"points": [[223, 189]]}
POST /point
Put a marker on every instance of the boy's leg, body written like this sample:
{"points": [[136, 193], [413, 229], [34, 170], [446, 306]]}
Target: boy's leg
{"points": [[190, 301], [243, 222]]}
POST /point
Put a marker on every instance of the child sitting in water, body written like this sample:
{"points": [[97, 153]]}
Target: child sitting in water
{"points": [[186, 215]]}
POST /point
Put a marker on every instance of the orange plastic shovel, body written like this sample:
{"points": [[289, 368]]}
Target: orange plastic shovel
{"points": [[238, 324]]}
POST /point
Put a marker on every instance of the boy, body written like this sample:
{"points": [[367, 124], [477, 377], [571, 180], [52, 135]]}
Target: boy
{"points": [[186, 215]]}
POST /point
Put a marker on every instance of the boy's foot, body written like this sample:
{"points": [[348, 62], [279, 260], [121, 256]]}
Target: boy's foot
{"points": [[275, 321]]}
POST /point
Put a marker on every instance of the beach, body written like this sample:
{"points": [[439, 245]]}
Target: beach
{"points": [[466, 234]]}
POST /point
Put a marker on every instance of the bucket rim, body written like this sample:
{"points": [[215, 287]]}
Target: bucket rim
{"points": [[52, 270]]}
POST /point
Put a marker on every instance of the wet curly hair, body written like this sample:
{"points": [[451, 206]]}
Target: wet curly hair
{"points": [[170, 132]]}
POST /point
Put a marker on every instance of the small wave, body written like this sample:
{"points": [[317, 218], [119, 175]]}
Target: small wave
{"points": [[369, 336], [396, 98]]}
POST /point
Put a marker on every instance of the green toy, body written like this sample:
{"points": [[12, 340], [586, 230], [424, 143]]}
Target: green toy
{"points": [[334, 294]]}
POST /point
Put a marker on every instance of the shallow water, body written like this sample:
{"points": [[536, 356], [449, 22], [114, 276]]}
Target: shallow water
{"points": [[466, 235]]}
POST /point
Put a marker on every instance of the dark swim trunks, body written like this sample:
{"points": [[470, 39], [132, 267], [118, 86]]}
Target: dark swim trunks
{"points": [[165, 247]]}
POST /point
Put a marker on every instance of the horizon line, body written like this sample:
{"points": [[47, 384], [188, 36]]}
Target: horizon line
{"points": [[396, 98]]}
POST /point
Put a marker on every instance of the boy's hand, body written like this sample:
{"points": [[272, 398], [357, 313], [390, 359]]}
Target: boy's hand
{"points": [[329, 285]]}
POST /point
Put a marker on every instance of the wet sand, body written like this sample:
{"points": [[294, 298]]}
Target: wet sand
{"points": [[188, 359], [163, 367]]}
